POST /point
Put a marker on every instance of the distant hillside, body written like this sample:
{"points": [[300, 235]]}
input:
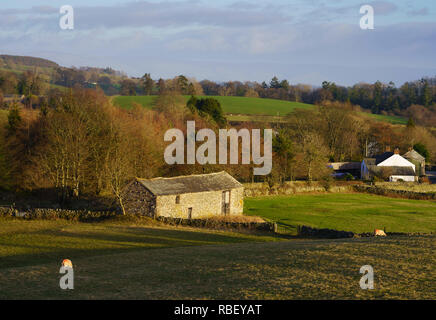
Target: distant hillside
{"points": [[231, 105], [249, 109], [53, 75], [10, 62]]}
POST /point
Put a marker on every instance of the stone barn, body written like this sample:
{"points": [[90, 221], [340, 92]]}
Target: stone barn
{"points": [[417, 159], [188, 197]]}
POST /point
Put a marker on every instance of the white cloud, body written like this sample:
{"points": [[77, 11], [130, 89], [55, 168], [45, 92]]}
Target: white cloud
{"points": [[243, 41]]}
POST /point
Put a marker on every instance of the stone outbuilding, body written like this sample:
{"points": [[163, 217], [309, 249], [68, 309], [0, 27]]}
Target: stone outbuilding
{"points": [[417, 159], [188, 197]]}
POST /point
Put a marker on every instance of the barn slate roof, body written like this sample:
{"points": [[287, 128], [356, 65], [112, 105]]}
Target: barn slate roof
{"points": [[382, 157], [413, 155], [379, 158], [393, 170], [190, 184]]}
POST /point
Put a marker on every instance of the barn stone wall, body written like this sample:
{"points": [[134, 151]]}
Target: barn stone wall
{"points": [[237, 201], [138, 200], [203, 204]]}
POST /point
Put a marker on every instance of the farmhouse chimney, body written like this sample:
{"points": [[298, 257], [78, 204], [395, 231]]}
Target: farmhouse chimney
{"points": [[388, 148], [410, 148], [397, 151]]}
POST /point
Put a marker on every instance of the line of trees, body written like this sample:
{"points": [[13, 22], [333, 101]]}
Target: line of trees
{"points": [[78, 145], [82, 145], [309, 139], [415, 99]]}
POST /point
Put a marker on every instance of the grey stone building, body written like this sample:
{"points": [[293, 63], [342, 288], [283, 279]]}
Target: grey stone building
{"points": [[194, 196], [417, 159]]}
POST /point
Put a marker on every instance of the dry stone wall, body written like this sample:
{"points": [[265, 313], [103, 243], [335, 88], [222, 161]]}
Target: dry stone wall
{"points": [[288, 188], [396, 193]]}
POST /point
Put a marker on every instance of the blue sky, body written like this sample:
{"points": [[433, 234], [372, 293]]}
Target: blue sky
{"points": [[304, 41]]}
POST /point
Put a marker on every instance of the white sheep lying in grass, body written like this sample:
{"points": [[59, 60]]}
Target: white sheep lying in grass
{"points": [[67, 263], [378, 232]]}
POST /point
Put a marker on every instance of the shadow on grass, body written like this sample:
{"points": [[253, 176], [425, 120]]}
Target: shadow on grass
{"points": [[54, 245]]}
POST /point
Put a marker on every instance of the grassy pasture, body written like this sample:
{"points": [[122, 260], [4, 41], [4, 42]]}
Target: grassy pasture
{"points": [[231, 105], [130, 259], [249, 109], [40, 241], [384, 118], [126, 102], [349, 212], [122, 261], [19, 69], [255, 118]]}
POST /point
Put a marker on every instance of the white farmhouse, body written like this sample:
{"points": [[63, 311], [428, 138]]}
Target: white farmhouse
{"points": [[389, 165]]}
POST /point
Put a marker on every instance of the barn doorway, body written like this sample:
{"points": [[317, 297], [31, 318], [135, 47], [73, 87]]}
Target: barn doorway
{"points": [[225, 202]]}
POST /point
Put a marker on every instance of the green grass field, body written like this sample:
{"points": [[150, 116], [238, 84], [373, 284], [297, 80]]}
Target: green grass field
{"points": [[118, 260], [231, 105], [19, 69], [390, 119], [349, 212], [35, 242], [140, 259], [249, 109]]}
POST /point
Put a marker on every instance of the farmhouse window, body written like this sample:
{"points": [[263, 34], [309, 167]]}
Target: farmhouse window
{"points": [[177, 199], [189, 213]]}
